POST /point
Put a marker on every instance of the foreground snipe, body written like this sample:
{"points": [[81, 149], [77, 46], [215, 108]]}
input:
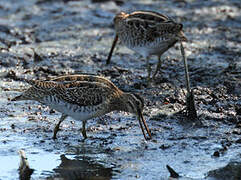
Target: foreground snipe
{"points": [[147, 33], [83, 97]]}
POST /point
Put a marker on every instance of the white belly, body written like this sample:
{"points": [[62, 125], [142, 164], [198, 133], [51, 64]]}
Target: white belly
{"points": [[150, 49], [81, 113]]}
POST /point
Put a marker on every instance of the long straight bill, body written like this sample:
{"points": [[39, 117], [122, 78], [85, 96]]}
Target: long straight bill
{"points": [[186, 69], [190, 100], [142, 120], [112, 49]]}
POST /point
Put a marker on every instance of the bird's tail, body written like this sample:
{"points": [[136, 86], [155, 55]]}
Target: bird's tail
{"points": [[22, 96], [32, 92], [19, 98]]}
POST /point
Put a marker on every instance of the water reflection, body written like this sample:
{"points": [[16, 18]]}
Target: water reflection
{"points": [[84, 169], [25, 171]]}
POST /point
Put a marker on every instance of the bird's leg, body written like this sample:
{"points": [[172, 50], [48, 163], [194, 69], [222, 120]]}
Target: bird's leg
{"points": [[190, 103], [157, 67], [83, 129], [148, 71], [56, 129], [112, 49]]}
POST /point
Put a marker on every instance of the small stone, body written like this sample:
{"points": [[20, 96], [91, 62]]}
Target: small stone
{"points": [[238, 141], [42, 141], [238, 110], [216, 154], [163, 147], [51, 111]]}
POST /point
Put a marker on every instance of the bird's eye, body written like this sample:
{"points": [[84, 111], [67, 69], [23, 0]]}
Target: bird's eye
{"points": [[137, 25]]}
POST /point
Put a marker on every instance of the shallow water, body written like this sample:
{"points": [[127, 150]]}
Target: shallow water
{"points": [[75, 37]]}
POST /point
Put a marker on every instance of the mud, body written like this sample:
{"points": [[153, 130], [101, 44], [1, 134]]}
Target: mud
{"points": [[40, 39]]}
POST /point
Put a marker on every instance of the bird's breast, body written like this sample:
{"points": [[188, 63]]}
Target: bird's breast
{"points": [[145, 44], [152, 48], [73, 110]]}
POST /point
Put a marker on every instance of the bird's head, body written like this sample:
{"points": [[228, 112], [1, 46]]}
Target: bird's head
{"points": [[135, 104]]}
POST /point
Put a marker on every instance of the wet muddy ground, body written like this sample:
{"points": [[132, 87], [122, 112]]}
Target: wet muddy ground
{"points": [[40, 39]]}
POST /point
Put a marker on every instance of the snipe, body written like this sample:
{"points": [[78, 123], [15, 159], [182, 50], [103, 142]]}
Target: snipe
{"points": [[151, 33], [83, 97], [147, 33]]}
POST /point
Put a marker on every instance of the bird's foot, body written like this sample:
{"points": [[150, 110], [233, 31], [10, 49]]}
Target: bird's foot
{"points": [[55, 133]]}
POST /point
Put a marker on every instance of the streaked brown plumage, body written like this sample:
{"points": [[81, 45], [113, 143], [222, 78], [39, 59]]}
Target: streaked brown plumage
{"points": [[147, 33], [83, 97]]}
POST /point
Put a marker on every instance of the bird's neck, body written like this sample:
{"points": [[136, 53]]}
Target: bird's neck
{"points": [[120, 103]]}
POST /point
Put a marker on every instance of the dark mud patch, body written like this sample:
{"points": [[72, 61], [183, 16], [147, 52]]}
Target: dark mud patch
{"points": [[231, 171]]}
